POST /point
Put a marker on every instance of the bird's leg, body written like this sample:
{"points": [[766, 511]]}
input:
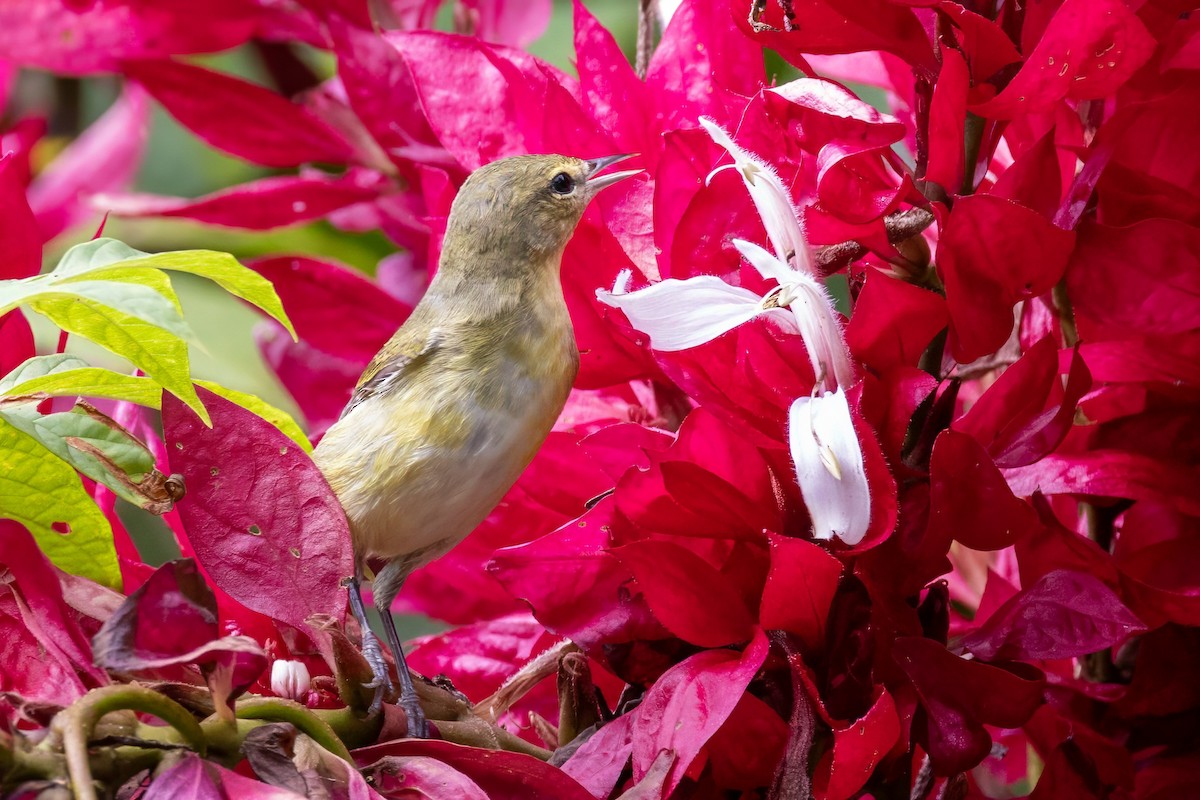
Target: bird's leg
{"points": [[385, 587], [371, 651]]}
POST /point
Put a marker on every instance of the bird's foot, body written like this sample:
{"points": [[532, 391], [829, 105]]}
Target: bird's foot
{"points": [[382, 680], [418, 726]]}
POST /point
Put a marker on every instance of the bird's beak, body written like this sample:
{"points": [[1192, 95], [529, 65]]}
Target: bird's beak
{"points": [[595, 183]]}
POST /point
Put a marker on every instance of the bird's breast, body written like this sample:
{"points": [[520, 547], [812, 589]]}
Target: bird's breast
{"points": [[419, 467]]}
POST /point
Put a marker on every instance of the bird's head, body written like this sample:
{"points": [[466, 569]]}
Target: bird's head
{"points": [[526, 206]]}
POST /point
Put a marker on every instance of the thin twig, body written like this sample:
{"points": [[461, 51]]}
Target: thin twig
{"points": [[647, 9], [900, 226]]}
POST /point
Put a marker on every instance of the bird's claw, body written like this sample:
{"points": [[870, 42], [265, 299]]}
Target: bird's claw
{"points": [[418, 726], [382, 680]]}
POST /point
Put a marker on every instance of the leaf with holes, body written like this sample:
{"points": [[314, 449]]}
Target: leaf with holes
{"points": [[43, 493], [261, 518]]}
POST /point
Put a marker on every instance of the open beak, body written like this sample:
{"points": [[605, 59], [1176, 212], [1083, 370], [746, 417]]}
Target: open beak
{"points": [[597, 182]]}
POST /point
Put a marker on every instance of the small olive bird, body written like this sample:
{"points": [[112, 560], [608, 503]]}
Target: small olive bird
{"points": [[453, 408]]}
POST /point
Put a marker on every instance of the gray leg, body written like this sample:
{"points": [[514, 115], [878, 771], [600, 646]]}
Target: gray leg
{"points": [[371, 651], [385, 587]]}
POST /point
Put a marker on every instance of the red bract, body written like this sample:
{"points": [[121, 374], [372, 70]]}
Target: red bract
{"points": [[969, 498], [1160, 297], [799, 589], [239, 117], [500, 775], [958, 698], [261, 205], [688, 704], [1011, 419], [575, 587], [23, 245], [42, 631], [991, 254], [893, 322], [171, 622], [857, 749], [1089, 49], [686, 594], [841, 26], [259, 515], [204, 780], [316, 294], [1065, 614], [78, 38]]}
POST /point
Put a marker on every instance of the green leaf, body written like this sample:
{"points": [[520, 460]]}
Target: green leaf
{"points": [[90, 382], [41, 491], [152, 346], [71, 434], [151, 279], [93, 255], [119, 298], [38, 367], [276, 416], [133, 299], [109, 259], [224, 270]]}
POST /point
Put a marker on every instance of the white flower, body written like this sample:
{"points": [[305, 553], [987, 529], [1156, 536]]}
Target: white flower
{"points": [[829, 466], [680, 314], [290, 679], [772, 199]]}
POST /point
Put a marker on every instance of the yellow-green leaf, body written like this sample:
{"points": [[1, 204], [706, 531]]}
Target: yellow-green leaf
{"points": [[159, 352], [276, 416], [93, 255], [70, 435], [93, 382], [43, 493], [149, 278], [38, 367], [220, 268], [113, 260]]}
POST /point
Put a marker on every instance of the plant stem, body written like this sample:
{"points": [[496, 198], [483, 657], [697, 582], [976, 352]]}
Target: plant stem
{"points": [[1066, 314], [478, 733], [278, 709], [972, 140], [75, 725]]}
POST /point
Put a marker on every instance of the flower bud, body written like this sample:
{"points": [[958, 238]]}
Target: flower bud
{"points": [[290, 679]]}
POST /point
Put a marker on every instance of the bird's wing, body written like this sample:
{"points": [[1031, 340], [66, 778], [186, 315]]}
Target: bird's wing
{"points": [[392, 365]]}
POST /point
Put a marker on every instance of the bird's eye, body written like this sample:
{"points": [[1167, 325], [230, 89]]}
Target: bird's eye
{"points": [[562, 183]]}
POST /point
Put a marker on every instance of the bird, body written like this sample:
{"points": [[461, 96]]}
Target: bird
{"points": [[452, 409]]}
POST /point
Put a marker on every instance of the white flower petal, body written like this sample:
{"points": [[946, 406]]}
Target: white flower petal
{"points": [[829, 467], [767, 265], [821, 330], [812, 307], [679, 314], [621, 284], [722, 137], [772, 199]]}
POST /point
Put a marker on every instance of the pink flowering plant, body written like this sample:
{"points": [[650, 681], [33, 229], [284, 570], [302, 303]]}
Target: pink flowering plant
{"points": [[879, 479]]}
